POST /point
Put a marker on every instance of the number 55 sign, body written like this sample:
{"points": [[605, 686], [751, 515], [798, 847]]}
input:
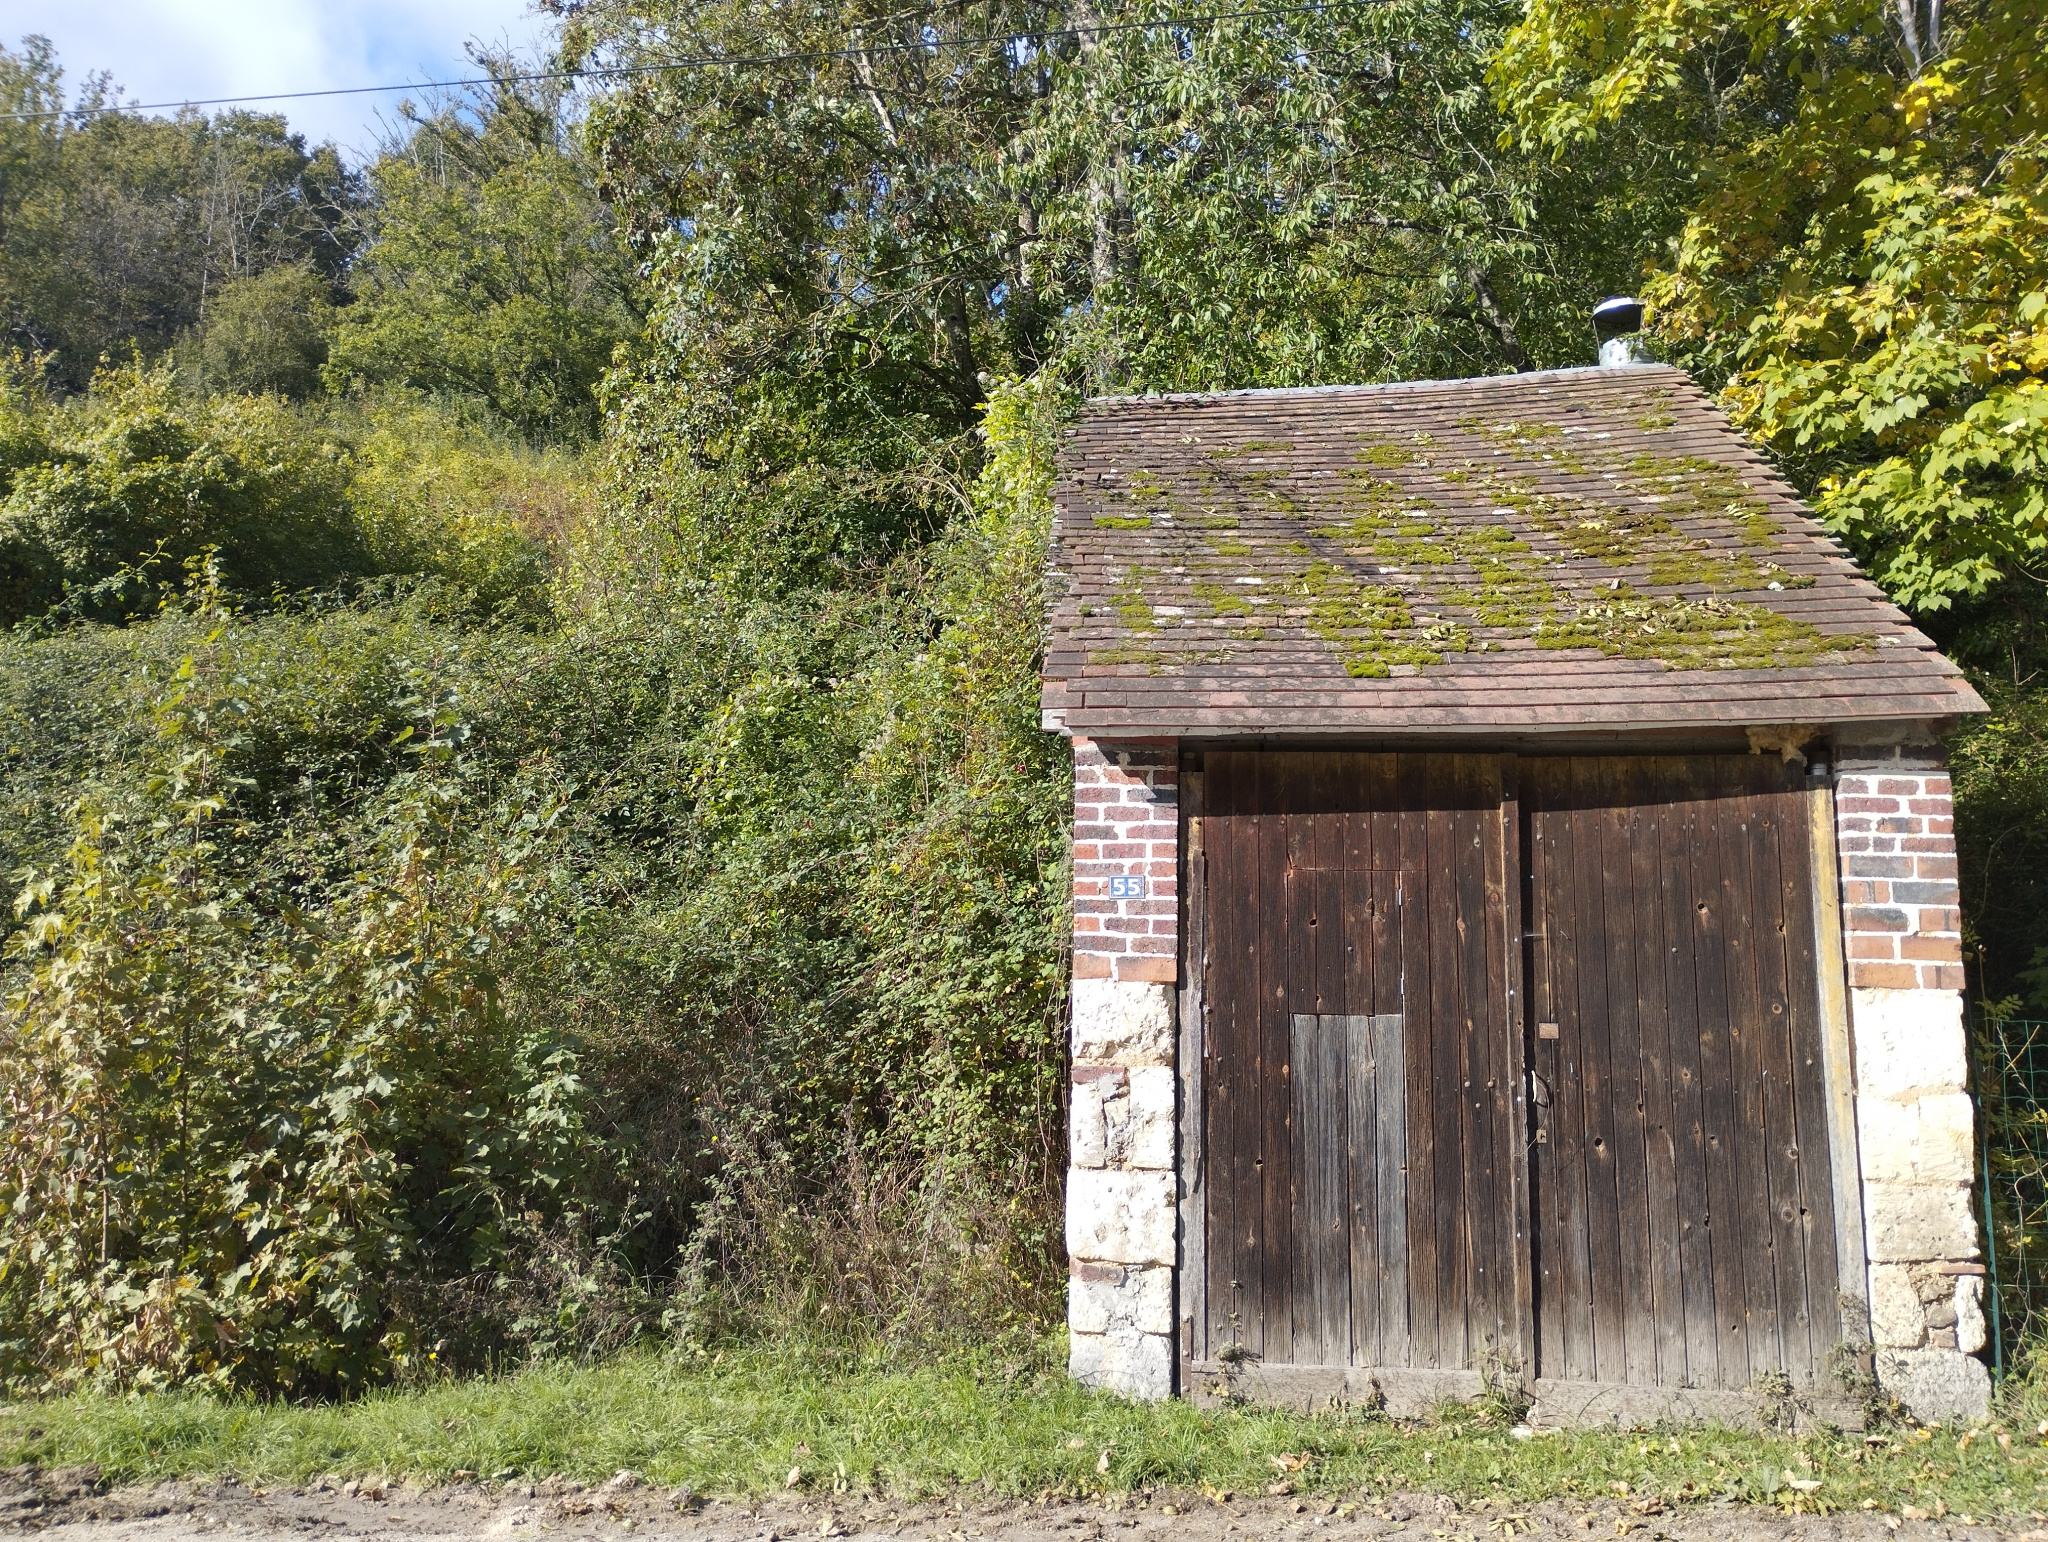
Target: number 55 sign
{"points": [[1126, 886]]}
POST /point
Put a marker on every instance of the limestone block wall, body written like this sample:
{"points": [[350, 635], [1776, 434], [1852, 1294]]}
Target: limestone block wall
{"points": [[1902, 932], [1121, 1217]]}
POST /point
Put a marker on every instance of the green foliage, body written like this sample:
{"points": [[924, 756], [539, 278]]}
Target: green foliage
{"points": [[133, 475], [237, 1119], [1303, 199], [490, 272], [117, 230], [1869, 266], [266, 332]]}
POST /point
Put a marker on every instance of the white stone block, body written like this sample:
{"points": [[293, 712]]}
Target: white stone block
{"points": [[1120, 1217], [1123, 1120], [1896, 1318], [1123, 1022], [1907, 1042], [1925, 1139], [1936, 1383], [1140, 1302], [1970, 1330], [1907, 1223], [1136, 1365]]}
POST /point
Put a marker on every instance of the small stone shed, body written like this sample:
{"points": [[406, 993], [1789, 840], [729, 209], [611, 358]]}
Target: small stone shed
{"points": [[1515, 909]]}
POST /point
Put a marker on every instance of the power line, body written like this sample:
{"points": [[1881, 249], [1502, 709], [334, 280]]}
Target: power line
{"points": [[622, 72]]}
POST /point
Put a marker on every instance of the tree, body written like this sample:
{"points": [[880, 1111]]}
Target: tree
{"points": [[117, 230], [266, 332], [490, 271], [1867, 266]]}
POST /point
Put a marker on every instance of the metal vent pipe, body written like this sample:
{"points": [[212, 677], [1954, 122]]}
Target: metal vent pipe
{"points": [[1617, 322]]}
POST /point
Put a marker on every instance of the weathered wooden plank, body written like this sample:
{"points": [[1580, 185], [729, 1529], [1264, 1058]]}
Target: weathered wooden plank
{"points": [[1192, 1277], [1748, 1056], [1678, 841], [1277, 790], [1488, 1258], [1720, 1117], [1844, 1158], [1589, 1045], [1564, 1335], [1614, 826], [1518, 1141], [1387, 1052], [1233, 1046], [1647, 811], [1362, 1137], [1322, 1117], [1782, 915]]}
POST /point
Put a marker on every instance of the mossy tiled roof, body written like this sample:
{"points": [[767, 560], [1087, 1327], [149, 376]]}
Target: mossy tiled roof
{"points": [[1590, 548]]}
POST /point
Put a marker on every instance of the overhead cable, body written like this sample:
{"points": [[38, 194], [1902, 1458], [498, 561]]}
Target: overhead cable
{"points": [[712, 62]]}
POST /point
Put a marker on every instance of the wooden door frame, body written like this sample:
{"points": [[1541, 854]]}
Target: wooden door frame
{"points": [[1191, 1275], [1838, 1066]]}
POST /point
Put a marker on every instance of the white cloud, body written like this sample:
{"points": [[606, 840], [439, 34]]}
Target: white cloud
{"points": [[189, 50]]}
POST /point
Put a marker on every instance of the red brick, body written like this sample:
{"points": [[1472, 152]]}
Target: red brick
{"points": [[1884, 976], [1087, 795], [1939, 783], [1086, 851], [1865, 891], [1167, 870], [1941, 920], [1927, 843], [1867, 918], [1163, 971], [1098, 907], [1167, 928], [1126, 924], [1845, 787], [1941, 977], [1941, 826], [1090, 966], [1937, 806], [1871, 945], [1946, 949], [1935, 867], [1867, 805], [1853, 824], [1094, 832], [1898, 787], [1900, 824], [1123, 851]]}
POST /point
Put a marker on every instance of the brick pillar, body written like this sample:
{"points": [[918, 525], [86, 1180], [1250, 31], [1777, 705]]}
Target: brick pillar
{"points": [[1902, 931], [1120, 1178]]}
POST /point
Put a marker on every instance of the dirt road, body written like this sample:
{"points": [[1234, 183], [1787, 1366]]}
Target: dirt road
{"points": [[88, 1511]]}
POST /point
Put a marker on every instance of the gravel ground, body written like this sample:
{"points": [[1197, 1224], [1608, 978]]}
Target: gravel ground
{"points": [[90, 1511]]}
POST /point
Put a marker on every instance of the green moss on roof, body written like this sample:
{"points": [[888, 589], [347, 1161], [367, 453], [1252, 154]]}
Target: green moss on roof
{"points": [[1387, 576]]}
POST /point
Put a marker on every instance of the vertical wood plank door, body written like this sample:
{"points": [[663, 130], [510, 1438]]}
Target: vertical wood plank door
{"points": [[1358, 1072], [1681, 1193]]}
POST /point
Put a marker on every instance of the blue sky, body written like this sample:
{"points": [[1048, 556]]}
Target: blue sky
{"points": [[179, 50]]}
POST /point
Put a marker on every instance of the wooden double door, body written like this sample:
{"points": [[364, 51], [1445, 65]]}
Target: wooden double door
{"points": [[1506, 1069]]}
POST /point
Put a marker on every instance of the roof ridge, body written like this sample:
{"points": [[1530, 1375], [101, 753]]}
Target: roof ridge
{"points": [[1576, 372]]}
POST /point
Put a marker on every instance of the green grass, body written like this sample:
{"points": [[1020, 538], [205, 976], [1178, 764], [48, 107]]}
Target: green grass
{"points": [[738, 1422]]}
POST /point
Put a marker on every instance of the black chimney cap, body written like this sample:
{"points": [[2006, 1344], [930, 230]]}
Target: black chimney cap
{"points": [[1617, 314]]}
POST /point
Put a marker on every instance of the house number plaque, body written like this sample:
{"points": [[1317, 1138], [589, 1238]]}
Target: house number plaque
{"points": [[1126, 886]]}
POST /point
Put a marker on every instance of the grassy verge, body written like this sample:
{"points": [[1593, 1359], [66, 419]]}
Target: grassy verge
{"points": [[738, 1423]]}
